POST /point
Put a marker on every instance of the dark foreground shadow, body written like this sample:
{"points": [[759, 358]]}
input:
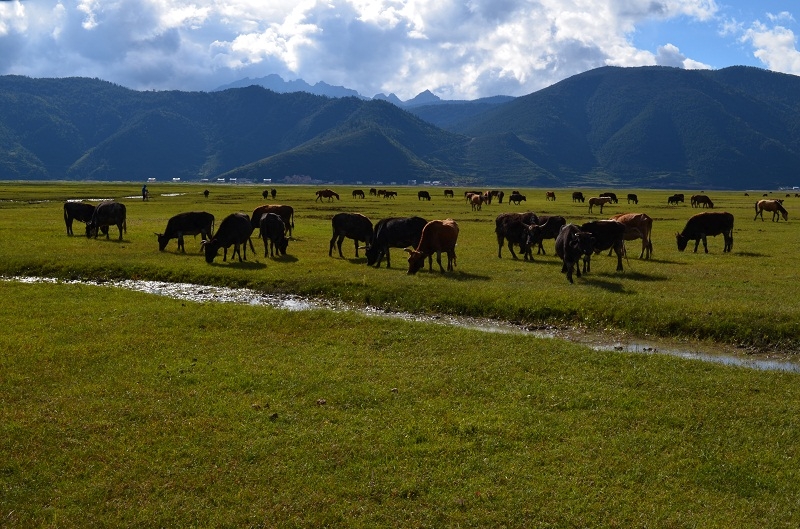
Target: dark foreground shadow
{"points": [[750, 254], [616, 287], [244, 265]]}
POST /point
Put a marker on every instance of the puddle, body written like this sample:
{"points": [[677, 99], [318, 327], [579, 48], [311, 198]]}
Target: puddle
{"points": [[597, 341]]}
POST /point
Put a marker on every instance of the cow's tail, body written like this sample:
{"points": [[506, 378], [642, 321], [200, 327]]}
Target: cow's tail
{"points": [[125, 225], [292, 219], [66, 215]]}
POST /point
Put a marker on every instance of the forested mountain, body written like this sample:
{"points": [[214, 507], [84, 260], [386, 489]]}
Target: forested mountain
{"points": [[652, 126]]}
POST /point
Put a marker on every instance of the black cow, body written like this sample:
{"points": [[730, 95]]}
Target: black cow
{"points": [[273, 232], [107, 214], [516, 198], [235, 229], [286, 213], [423, 195], [633, 198], [513, 226], [674, 199], [190, 223], [577, 196], [612, 196], [607, 234], [78, 211], [353, 226], [393, 232], [699, 226], [571, 244], [548, 227]]}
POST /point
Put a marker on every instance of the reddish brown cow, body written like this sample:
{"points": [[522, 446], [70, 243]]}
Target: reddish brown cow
{"points": [[476, 201], [550, 195], [437, 236], [637, 226]]}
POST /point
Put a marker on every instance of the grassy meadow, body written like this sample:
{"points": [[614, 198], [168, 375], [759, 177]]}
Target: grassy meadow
{"points": [[124, 409]]}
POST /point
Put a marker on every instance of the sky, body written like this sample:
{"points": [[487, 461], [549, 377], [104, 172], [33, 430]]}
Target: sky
{"points": [[457, 49]]}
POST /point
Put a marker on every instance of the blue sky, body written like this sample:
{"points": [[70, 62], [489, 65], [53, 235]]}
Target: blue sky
{"points": [[458, 49]]}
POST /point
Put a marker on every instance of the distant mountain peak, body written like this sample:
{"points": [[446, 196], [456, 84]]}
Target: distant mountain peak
{"points": [[277, 84], [423, 98]]}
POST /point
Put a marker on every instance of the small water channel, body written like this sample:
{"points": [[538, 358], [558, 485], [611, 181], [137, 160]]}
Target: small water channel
{"points": [[598, 341]]}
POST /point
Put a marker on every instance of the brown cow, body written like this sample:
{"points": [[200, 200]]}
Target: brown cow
{"points": [[326, 193], [476, 201], [698, 200], [550, 195], [637, 226], [599, 201], [437, 236], [775, 206]]}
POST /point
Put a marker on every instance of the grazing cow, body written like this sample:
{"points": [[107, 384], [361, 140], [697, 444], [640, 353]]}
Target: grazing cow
{"points": [[516, 232], [501, 228], [516, 198], [571, 244], [206, 193], [286, 214], [612, 196], [190, 223], [448, 193], [326, 193], [358, 193], [273, 231], [637, 226], [577, 196], [550, 195], [633, 198], [107, 214], [547, 227], [437, 236], [265, 194], [234, 230], [500, 196], [599, 201], [353, 226], [393, 232], [476, 201], [272, 193], [607, 234], [699, 226], [78, 211], [389, 194], [698, 200], [423, 195], [487, 197], [674, 199], [373, 192], [775, 206]]}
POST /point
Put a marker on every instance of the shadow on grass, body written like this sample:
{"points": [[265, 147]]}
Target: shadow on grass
{"points": [[750, 254], [638, 276], [246, 265], [610, 286]]}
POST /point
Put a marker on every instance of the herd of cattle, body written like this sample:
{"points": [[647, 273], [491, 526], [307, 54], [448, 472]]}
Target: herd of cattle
{"points": [[574, 244]]}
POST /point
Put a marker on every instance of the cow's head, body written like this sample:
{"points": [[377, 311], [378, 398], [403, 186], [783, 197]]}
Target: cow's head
{"points": [[682, 241], [371, 251], [211, 249], [282, 245], [162, 241], [582, 242], [416, 260], [91, 230]]}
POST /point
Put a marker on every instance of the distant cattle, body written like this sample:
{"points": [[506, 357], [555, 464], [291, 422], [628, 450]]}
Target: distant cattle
{"points": [[78, 211], [206, 193], [550, 195], [234, 230], [326, 193], [437, 236], [107, 214], [352, 226], [393, 232], [633, 198], [516, 198], [286, 214], [572, 243], [608, 234], [509, 222], [265, 194], [448, 193], [547, 227], [775, 206], [598, 201], [273, 232], [612, 196], [358, 193], [637, 226], [577, 196], [476, 201], [704, 224], [389, 194], [373, 192], [701, 200], [500, 195], [423, 195], [272, 193], [189, 223], [674, 199]]}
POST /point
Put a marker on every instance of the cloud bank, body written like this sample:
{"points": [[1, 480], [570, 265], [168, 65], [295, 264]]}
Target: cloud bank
{"points": [[457, 49]]}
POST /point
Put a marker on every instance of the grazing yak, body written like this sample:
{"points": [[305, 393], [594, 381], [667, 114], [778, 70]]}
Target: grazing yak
{"points": [[699, 226], [612, 196], [775, 206], [547, 227], [516, 198], [437, 236], [607, 234], [577, 196], [674, 199], [234, 230], [326, 193], [358, 193], [189, 223], [637, 226], [107, 214], [506, 226], [448, 193], [393, 232], [423, 195], [286, 213], [571, 244], [273, 232], [701, 200], [353, 226], [550, 195], [598, 201], [476, 201], [633, 198], [78, 211]]}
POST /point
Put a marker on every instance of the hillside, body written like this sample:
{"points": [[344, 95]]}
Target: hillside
{"points": [[660, 127]]}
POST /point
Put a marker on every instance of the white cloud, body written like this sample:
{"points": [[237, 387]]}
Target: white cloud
{"points": [[776, 47], [457, 48]]}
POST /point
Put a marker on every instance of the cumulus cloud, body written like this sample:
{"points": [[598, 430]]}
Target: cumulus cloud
{"points": [[456, 48], [775, 46]]}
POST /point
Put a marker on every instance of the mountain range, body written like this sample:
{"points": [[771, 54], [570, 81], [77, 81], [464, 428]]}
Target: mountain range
{"points": [[659, 127]]}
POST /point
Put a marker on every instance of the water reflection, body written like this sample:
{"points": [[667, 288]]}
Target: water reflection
{"points": [[597, 341]]}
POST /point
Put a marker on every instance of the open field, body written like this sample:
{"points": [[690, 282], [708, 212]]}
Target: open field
{"points": [[749, 297]]}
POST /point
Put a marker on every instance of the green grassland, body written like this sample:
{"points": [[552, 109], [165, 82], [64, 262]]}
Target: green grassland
{"points": [[748, 297], [124, 409]]}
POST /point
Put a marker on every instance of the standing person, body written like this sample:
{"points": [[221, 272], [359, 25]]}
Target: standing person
{"points": [[144, 192]]}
